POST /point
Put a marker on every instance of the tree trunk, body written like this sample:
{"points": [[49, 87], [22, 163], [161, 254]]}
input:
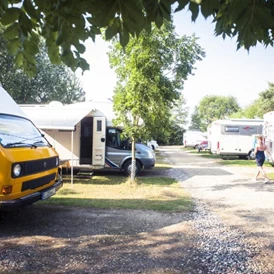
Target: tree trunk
{"points": [[133, 163]]}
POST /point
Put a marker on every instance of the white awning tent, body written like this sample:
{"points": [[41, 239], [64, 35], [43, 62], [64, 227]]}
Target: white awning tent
{"points": [[57, 116]]}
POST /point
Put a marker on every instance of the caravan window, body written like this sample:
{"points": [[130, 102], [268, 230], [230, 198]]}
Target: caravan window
{"points": [[231, 129], [99, 125]]}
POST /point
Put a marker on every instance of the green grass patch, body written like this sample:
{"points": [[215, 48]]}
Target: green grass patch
{"points": [[115, 192]]}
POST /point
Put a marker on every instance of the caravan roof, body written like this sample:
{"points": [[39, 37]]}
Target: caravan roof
{"points": [[8, 105], [56, 116]]}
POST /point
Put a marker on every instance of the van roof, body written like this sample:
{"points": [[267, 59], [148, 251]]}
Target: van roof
{"points": [[9, 106]]}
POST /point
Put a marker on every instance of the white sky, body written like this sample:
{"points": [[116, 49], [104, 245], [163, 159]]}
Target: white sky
{"points": [[224, 71]]}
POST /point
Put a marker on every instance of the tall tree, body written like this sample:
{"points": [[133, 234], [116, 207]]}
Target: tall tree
{"points": [[151, 71], [176, 125], [214, 107], [178, 121], [52, 83], [67, 24]]}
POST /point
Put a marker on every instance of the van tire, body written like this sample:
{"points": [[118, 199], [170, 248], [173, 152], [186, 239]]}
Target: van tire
{"points": [[127, 167]]}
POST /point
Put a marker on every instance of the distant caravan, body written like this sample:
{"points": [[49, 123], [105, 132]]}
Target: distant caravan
{"points": [[234, 137], [192, 138]]}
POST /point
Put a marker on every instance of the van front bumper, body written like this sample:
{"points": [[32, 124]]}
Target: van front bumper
{"points": [[148, 163], [31, 198]]}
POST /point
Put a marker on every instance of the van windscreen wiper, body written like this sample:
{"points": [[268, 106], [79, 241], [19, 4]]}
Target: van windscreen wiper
{"points": [[15, 144]]}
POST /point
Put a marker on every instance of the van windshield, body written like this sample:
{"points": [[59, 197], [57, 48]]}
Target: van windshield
{"points": [[19, 132]]}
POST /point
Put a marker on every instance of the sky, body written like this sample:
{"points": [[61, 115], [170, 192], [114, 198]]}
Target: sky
{"points": [[224, 71]]}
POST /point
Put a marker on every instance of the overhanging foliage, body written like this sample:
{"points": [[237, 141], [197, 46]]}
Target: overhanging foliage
{"points": [[67, 24]]}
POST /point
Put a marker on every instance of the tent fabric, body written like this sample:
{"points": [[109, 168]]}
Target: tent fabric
{"points": [[8, 105], [63, 117]]}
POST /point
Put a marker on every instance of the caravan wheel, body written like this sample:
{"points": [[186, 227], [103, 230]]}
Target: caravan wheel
{"points": [[128, 166]]}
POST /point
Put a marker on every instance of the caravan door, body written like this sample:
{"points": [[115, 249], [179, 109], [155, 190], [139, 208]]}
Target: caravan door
{"points": [[99, 141]]}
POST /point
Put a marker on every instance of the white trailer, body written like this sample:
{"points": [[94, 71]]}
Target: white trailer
{"points": [[192, 138], [234, 137], [268, 131], [84, 137]]}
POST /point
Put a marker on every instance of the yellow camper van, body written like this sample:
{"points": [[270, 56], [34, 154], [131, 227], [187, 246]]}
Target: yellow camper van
{"points": [[28, 163]]}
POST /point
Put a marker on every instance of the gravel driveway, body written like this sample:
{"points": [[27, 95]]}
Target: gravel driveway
{"points": [[230, 231], [234, 217]]}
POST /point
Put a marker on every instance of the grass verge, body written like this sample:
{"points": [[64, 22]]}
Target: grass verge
{"points": [[115, 192]]}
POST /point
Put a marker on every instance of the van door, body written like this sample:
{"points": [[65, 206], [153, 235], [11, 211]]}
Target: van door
{"points": [[99, 141], [229, 143]]}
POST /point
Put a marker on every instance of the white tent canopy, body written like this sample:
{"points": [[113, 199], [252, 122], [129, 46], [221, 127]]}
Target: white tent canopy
{"points": [[8, 105], [57, 116]]}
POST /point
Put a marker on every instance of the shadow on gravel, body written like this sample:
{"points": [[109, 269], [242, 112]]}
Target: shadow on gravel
{"points": [[51, 239], [76, 222]]}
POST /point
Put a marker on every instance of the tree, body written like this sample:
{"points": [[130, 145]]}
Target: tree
{"points": [[260, 106], [52, 83], [178, 121], [196, 123], [214, 107], [151, 71], [65, 25], [173, 133]]}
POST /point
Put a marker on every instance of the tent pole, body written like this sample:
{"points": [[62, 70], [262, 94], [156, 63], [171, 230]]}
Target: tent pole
{"points": [[71, 168]]}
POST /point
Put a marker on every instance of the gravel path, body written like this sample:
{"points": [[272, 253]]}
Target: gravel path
{"points": [[230, 209]]}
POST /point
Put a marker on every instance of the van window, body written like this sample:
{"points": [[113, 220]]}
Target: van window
{"points": [[114, 139], [19, 132]]}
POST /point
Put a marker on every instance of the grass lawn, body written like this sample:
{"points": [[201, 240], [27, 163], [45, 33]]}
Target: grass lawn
{"points": [[117, 192], [161, 194]]}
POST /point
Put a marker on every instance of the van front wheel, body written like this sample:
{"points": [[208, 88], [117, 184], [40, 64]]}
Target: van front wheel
{"points": [[128, 166]]}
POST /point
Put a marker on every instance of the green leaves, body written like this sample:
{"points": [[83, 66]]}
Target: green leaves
{"points": [[10, 16], [150, 71], [72, 22]]}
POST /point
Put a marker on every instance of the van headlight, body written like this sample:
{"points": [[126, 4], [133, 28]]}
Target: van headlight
{"points": [[17, 170]]}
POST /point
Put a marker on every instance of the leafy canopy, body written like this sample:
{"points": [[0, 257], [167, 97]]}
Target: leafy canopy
{"points": [[66, 25], [260, 106], [52, 82], [151, 72], [214, 107]]}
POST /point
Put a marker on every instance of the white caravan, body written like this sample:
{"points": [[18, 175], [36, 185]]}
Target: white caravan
{"points": [[234, 137], [268, 131], [84, 137], [192, 138]]}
